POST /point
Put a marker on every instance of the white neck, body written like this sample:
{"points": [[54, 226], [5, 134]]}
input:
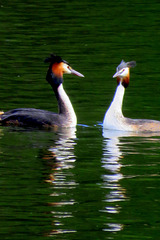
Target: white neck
{"points": [[65, 107], [116, 104], [114, 118]]}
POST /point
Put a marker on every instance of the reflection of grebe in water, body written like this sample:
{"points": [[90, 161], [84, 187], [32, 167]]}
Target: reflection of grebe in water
{"points": [[62, 153], [61, 159], [112, 151], [112, 161]]}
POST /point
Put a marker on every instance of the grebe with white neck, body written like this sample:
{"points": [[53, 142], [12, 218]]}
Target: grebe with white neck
{"points": [[114, 118], [41, 118]]}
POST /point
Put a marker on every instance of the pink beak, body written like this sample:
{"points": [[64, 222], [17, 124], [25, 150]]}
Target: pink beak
{"points": [[76, 73]]}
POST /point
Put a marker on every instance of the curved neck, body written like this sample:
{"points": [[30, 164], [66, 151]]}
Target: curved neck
{"points": [[114, 118], [115, 108], [64, 104], [118, 99]]}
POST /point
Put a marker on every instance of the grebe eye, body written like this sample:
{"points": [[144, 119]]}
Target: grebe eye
{"points": [[122, 70]]}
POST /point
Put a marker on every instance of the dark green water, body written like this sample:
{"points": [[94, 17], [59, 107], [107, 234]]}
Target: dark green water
{"points": [[80, 183]]}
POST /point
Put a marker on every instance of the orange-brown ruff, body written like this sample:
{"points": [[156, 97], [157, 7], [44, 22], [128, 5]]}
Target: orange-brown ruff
{"points": [[45, 119], [114, 118]]}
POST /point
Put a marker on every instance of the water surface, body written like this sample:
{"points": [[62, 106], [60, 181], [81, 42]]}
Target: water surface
{"points": [[82, 183]]}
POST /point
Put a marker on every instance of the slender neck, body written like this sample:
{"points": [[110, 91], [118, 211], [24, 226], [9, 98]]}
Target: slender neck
{"points": [[64, 104], [117, 102]]}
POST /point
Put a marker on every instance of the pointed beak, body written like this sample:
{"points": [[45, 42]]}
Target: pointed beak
{"points": [[76, 73], [116, 74]]}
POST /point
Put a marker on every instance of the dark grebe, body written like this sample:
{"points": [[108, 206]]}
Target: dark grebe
{"points": [[41, 118]]}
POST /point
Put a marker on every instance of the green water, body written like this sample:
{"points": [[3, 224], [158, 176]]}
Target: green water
{"points": [[82, 183]]}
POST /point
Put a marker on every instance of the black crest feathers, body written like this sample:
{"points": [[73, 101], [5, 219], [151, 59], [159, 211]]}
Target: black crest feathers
{"points": [[53, 59]]}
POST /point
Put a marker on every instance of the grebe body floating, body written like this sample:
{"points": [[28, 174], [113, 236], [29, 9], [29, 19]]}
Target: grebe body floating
{"points": [[114, 118], [41, 118]]}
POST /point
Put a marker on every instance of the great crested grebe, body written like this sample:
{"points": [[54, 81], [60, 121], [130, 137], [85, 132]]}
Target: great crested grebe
{"points": [[114, 118], [42, 118]]}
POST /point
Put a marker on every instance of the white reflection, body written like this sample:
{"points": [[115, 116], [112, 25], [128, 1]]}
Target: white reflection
{"points": [[62, 155], [118, 134], [112, 153], [113, 227], [61, 178], [64, 148], [111, 156], [112, 161]]}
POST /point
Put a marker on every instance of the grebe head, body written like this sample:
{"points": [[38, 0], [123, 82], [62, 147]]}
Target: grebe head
{"points": [[123, 72], [57, 68]]}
